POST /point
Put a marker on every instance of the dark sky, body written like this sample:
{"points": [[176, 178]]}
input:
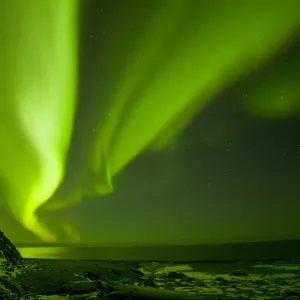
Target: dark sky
{"points": [[232, 175]]}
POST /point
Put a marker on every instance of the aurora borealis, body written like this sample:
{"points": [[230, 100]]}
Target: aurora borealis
{"points": [[88, 87], [38, 67]]}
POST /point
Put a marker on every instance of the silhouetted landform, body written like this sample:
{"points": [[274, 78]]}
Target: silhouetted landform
{"points": [[10, 259], [282, 250], [136, 280], [8, 251]]}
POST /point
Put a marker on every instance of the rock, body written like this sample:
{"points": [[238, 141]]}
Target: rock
{"points": [[220, 279], [260, 282], [81, 287], [91, 275], [292, 294], [149, 282], [8, 251], [115, 275], [10, 261], [174, 275], [46, 281], [238, 274], [129, 275]]}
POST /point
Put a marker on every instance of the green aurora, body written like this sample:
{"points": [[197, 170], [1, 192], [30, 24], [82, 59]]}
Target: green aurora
{"points": [[185, 52]]}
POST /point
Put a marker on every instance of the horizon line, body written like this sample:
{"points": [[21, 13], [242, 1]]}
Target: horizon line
{"points": [[91, 245]]}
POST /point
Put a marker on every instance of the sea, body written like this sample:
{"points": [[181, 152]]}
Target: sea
{"points": [[275, 250]]}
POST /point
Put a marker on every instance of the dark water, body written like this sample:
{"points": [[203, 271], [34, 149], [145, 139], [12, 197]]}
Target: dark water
{"points": [[282, 250]]}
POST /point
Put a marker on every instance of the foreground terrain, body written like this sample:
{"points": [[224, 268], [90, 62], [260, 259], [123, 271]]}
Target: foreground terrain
{"points": [[60, 279], [75, 279]]}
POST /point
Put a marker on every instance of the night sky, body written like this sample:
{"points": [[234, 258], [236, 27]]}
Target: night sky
{"points": [[229, 174]]}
